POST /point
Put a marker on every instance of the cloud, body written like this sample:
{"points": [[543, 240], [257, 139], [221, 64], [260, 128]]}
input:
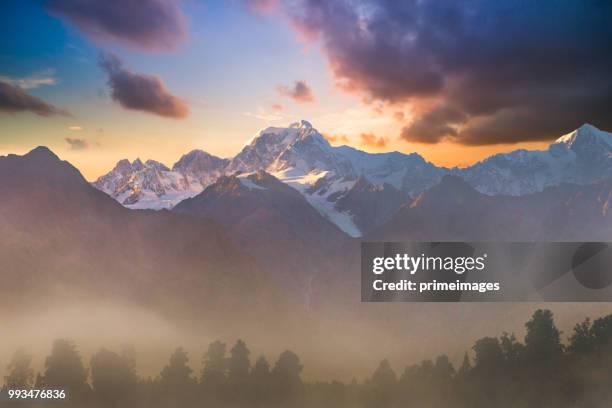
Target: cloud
{"points": [[434, 125], [14, 99], [262, 114], [262, 6], [333, 139], [299, 92], [75, 128], [370, 140], [77, 144], [32, 82], [277, 107], [510, 70], [153, 25], [140, 92]]}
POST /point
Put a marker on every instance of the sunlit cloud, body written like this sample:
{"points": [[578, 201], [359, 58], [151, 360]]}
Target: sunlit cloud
{"points": [[77, 144], [511, 86], [371, 140], [31, 82], [354, 121], [146, 93], [14, 99], [336, 139], [300, 92], [262, 6], [75, 128], [263, 114]]}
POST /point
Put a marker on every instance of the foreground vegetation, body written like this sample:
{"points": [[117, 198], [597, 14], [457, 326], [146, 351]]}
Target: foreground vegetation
{"points": [[540, 371]]}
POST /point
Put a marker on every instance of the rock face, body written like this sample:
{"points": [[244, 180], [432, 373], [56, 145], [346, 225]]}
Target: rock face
{"points": [[153, 185], [356, 190]]}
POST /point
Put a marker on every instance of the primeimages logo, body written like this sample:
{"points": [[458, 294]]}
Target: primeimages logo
{"points": [[414, 264], [486, 271]]}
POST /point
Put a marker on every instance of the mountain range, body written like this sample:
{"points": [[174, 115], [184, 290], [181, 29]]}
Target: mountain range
{"points": [[355, 190], [273, 223], [262, 252], [64, 239], [252, 246], [251, 256], [455, 211]]}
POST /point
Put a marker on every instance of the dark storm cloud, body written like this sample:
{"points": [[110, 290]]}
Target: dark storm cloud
{"points": [[434, 125], [508, 70], [299, 92], [145, 93], [14, 99], [145, 24]]}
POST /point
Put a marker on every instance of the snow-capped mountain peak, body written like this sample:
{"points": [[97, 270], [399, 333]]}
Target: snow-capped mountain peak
{"points": [[583, 156], [199, 161], [347, 185], [153, 185], [302, 124], [298, 155], [156, 165], [585, 139]]}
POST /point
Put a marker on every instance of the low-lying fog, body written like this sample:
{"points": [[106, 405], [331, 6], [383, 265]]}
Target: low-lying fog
{"points": [[331, 345]]}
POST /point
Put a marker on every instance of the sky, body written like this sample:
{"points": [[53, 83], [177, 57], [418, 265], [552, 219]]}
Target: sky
{"points": [[99, 81]]}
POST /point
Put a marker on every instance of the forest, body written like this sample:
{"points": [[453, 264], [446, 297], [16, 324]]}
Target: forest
{"points": [[545, 369]]}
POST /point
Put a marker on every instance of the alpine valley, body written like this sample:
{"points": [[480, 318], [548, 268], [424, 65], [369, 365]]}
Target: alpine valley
{"points": [[260, 245]]}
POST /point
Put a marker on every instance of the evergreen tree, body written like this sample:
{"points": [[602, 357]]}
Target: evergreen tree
{"points": [[543, 339], [544, 367], [176, 386], [443, 370], [488, 357], [487, 374], [177, 374], [582, 340], [286, 377], [19, 369], [381, 386], [113, 377], [465, 367], [260, 381], [64, 370], [384, 376], [261, 369], [213, 379], [602, 335], [238, 364]]}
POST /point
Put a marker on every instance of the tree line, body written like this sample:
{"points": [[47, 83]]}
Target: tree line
{"points": [[541, 371]]}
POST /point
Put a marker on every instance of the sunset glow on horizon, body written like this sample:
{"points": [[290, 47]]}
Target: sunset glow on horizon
{"points": [[184, 75]]}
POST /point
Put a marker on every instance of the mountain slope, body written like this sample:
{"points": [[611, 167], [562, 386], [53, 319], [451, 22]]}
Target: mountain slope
{"points": [[297, 155], [301, 157], [272, 222], [63, 239], [356, 190], [153, 185], [455, 211]]}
